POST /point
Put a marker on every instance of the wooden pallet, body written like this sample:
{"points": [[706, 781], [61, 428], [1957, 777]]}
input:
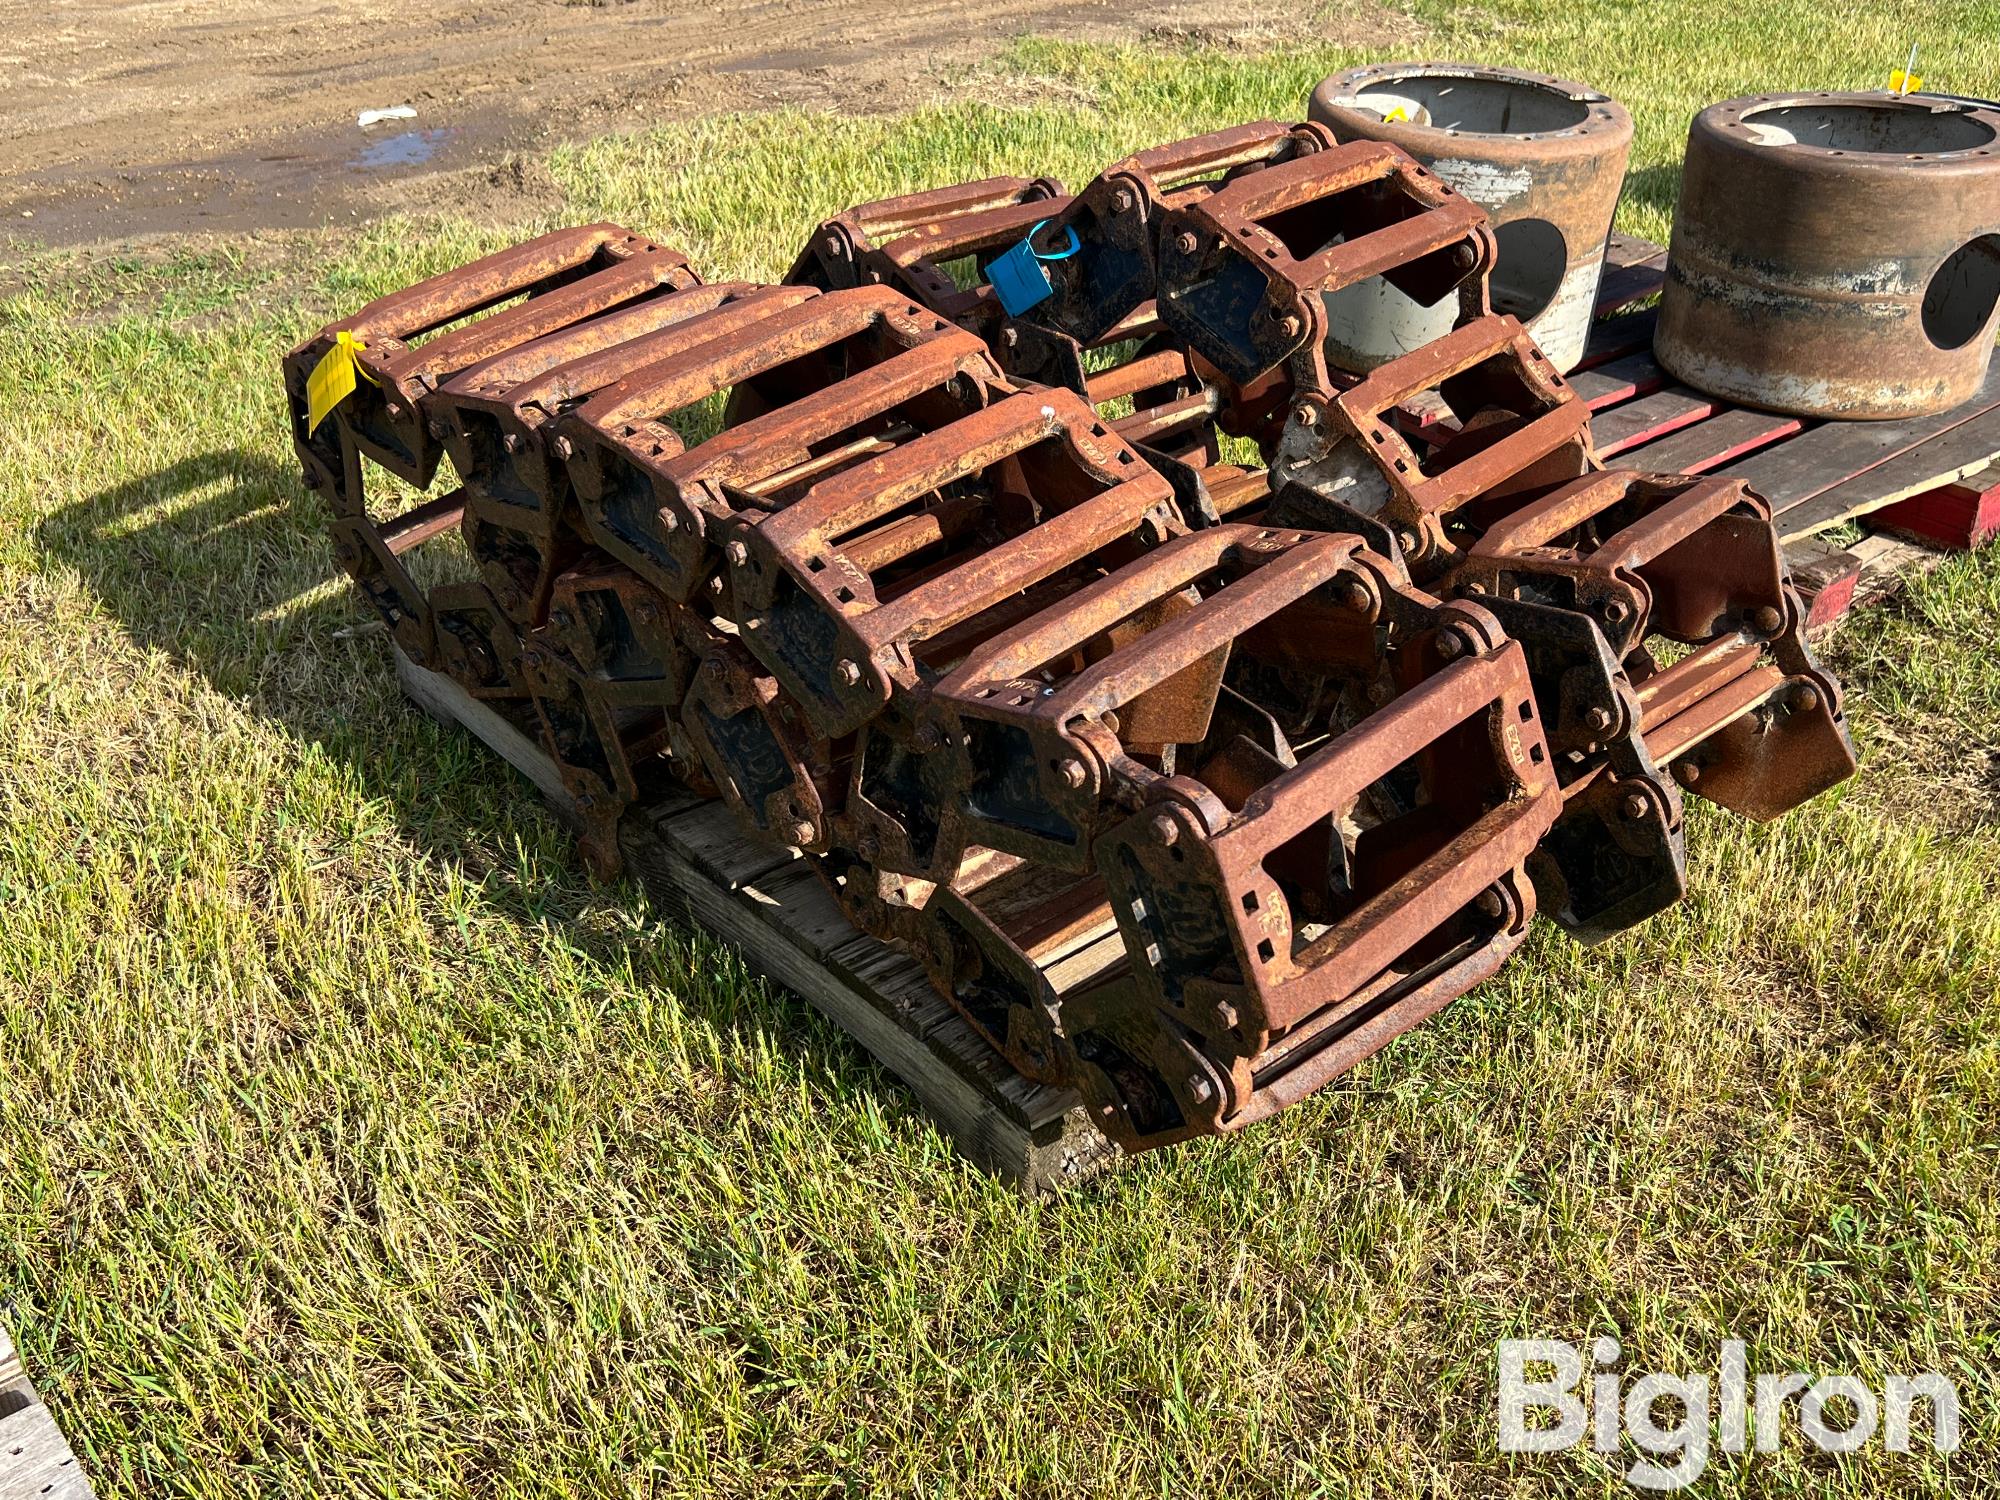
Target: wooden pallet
{"points": [[695, 863], [35, 1461]]}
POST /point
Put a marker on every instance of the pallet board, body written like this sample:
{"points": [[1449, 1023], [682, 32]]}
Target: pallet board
{"points": [[35, 1461], [695, 863], [1634, 270]]}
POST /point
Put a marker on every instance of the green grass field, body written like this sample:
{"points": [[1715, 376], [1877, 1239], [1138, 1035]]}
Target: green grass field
{"points": [[352, 1142]]}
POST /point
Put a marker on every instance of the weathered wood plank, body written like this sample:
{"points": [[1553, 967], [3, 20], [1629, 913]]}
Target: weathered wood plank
{"points": [[1951, 455], [11, 1372], [490, 728], [1956, 516], [1801, 467], [1633, 270], [1826, 577], [1650, 417], [707, 834], [1619, 379], [1707, 445], [1614, 338], [1888, 563], [35, 1461], [696, 864]]}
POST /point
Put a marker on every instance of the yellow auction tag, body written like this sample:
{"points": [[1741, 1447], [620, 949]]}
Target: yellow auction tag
{"points": [[1395, 115], [1904, 83], [332, 379]]}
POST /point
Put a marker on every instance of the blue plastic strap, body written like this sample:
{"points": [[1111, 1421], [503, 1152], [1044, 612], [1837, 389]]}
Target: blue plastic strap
{"points": [[1065, 253]]}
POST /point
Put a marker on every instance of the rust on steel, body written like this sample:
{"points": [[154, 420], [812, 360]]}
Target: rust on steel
{"points": [[1836, 255], [1514, 425], [1115, 219], [1062, 489], [501, 301], [522, 523], [1275, 954], [1544, 157], [912, 243], [1245, 272], [1191, 782], [1747, 717], [647, 498], [937, 248]]}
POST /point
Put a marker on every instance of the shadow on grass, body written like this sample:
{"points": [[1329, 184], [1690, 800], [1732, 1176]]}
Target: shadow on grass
{"points": [[219, 562], [1657, 186], [215, 562]]}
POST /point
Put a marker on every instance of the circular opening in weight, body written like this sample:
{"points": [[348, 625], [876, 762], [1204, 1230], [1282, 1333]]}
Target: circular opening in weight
{"points": [[1478, 106], [1876, 129], [1959, 301], [1529, 270]]}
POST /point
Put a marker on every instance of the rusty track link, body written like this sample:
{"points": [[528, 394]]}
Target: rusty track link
{"points": [[1190, 782]]}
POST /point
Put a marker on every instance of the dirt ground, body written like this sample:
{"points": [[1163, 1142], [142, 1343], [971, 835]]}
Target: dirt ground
{"points": [[129, 121]]}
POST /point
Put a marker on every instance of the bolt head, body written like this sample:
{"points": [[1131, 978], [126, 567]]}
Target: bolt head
{"points": [[1290, 326], [802, 833], [1635, 806], [714, 667], [1166, 830], [1768, 620], [669, 521], [1121, 201], [1451, 645], [1354, 595], [1490, 903], [564, 448], [1225, 1015], [1687, 772], [849, 672], [1200, 1088], [1010, 337], [1409, 541], [1185, 243], [436, 428], [1072, 773], [1617, 611], [1306, 414], [1599, 719], [1807, 699], [1463, 256], [738, 554]]}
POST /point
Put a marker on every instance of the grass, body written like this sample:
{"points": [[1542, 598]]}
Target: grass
{"points": [[352, 1142]]}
